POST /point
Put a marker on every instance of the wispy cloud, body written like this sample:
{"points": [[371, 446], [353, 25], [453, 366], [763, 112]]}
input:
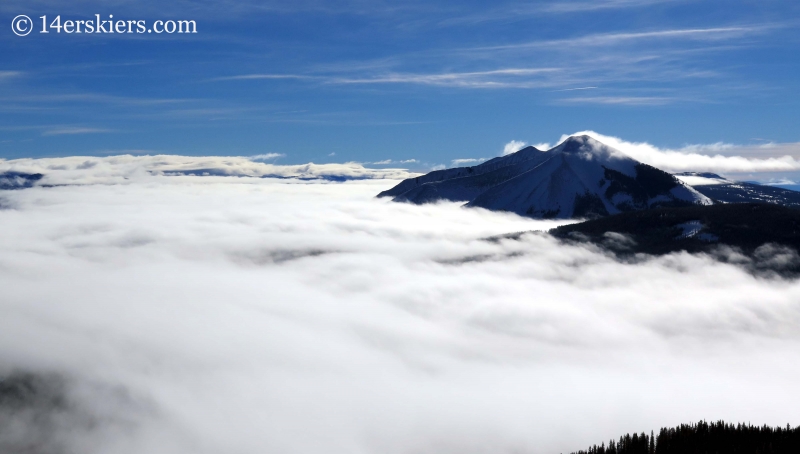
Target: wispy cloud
{"points": [[128, 151], [605, 39], [575, 89], [526, 10], [495, 78], [582, 6], [390, 161], [620, 100], [99, 98], [586, 69], [267, 77], [9, 74], [267, 156], [482, 79], [74, 131]]}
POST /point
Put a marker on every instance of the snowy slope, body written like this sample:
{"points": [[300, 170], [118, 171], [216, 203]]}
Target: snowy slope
{"points": [[437, 176], [579, 178], [474, 183]]}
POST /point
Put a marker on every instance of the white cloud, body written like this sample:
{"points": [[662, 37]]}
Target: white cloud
{"points": [[391, 161], [717, 157], [9, 74], [578, 6], [127, 169], [266, 76], [206, 315], [575, 89], [615, 38], [494, 78], [543, 146], [519, 11], [620, 100], [267, 156], [513, 147], [621, 57], [74, 130]]}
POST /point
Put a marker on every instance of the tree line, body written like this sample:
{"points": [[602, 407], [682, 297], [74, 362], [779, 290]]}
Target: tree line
{"points": [[706, 438]]}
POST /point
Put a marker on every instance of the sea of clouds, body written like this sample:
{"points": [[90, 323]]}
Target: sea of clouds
{"points": [[125, 169], [207, 314]]}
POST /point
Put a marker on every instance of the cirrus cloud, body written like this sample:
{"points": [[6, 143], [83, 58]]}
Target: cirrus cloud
{"points": [[267, 156]]}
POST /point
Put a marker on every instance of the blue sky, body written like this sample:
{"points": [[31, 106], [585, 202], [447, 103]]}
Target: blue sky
{"points": [[334, 81]]}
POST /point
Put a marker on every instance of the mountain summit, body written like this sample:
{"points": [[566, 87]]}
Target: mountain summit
{"points": [[580, 177]]}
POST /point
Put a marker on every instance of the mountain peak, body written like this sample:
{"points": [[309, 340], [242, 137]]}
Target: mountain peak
{"points": [[580, 143], [583, 138]]}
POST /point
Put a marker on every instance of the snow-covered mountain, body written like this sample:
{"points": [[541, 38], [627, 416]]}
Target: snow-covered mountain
{"points": [[581, 177]]}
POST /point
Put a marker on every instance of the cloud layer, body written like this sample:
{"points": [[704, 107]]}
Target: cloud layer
{"points": [[126, 169], [202, 315]]}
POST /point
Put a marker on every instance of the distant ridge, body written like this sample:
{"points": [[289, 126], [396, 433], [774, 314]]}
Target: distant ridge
{"points": [[722, 190], [18, 180], [580, 177]]}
